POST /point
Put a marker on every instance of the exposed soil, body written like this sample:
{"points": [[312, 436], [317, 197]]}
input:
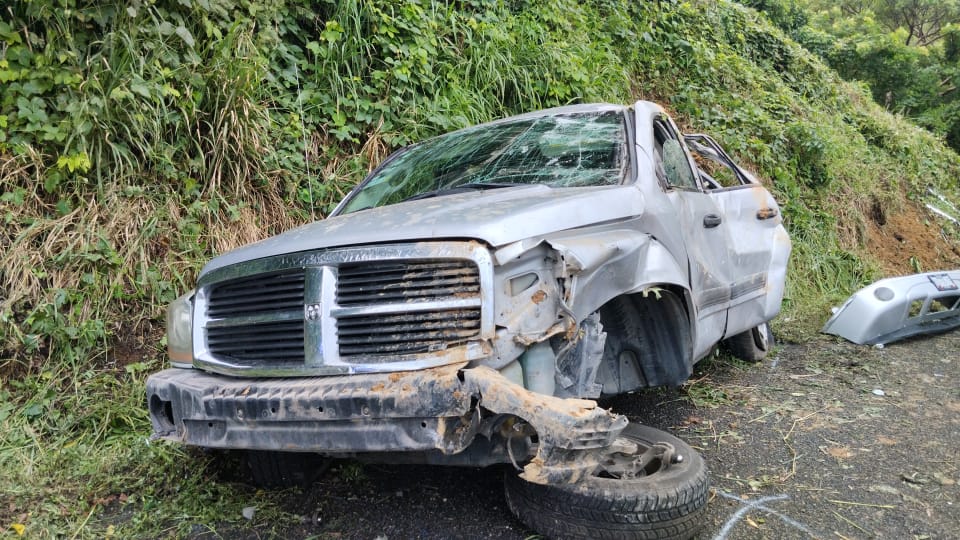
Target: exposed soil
{"points": [[909, 241], [823, 440], [139, 344]]}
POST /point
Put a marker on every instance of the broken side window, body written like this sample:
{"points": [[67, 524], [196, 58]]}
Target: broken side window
{"points": [[670, 158]]}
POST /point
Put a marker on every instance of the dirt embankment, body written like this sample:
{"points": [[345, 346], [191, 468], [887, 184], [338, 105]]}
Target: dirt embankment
{"points": [[908, 241]]}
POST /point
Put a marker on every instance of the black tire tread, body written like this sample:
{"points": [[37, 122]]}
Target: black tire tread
{"points": [[744, 346], [639, 509]]}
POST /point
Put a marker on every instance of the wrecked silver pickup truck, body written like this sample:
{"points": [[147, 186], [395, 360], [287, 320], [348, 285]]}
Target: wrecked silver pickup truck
{"points": [[468, 301]]}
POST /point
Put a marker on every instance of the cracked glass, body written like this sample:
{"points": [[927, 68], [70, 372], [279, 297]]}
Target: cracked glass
{"points": [[570, 150]]}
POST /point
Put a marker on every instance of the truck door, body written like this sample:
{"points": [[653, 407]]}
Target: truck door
{"points": [[704, 230], [758, 244]]}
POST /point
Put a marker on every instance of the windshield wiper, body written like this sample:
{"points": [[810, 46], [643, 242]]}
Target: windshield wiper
{"points": [[472, 186]]}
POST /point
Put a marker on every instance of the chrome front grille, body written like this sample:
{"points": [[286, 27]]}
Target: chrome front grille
{"points": [[376, 282], [258, 318], [406, 282], [273, 342], [378, 308], [268, 293], [407, 333]]}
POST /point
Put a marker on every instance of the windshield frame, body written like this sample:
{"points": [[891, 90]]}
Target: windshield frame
{"points": [[628, 166]]}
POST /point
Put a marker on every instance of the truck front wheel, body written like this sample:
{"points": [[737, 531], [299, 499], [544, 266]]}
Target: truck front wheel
{"points": [[651, 485]]}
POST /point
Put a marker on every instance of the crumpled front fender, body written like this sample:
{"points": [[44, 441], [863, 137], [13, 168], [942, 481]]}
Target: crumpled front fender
{"points": [[603, 263]]}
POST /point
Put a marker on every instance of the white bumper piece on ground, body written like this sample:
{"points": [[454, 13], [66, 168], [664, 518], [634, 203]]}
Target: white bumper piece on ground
{"points": [[895, 308]]}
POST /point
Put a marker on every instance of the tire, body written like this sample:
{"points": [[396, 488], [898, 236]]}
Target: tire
{"points": [[666, 504], [270, 469], [753, 345]]}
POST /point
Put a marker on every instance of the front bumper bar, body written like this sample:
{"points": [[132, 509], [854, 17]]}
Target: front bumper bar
{"points": [[439, 409]]}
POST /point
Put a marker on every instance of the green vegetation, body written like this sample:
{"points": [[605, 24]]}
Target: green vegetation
{"points": [[906, 51], [138, 140]]}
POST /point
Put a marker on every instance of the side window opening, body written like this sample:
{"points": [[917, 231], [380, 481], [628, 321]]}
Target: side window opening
{"points": [[717, 169], [670, 159]]}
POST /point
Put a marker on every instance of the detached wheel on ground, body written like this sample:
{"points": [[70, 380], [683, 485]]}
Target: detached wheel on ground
{"points": [[753, 345], [654, 487], [271, 469]]}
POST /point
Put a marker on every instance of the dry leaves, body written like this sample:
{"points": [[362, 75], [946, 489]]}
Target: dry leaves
{"points": [[839, 452]]}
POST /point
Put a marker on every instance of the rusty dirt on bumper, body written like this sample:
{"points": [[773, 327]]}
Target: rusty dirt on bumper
{"points": [[439, 413]]}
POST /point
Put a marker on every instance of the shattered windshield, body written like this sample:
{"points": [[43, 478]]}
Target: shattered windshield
{"points": [[571, 150]]}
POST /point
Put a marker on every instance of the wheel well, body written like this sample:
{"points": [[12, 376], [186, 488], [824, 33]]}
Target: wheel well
{"points": [[649, 340]]}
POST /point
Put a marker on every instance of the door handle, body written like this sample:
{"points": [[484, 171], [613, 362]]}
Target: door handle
{"points": [[711, 220], [767, 213]]}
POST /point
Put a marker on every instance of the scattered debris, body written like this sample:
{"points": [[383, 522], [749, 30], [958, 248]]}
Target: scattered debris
{"points": [[941, 212], [913, 478], [884, 488], [943, 479], [895, 308], [839, 452], [855, 503]]}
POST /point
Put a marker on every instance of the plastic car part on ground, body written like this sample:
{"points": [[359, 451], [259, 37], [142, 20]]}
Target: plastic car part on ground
{"points": [[896, 308]]}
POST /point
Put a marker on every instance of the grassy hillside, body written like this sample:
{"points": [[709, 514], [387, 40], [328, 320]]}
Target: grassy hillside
{"points": [[136, 142]]}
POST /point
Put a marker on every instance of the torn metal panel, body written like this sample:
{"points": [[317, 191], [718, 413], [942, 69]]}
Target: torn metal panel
{"points": [[579, 362], [527, 298], [900, 307], [441, 409], [572, 433]]}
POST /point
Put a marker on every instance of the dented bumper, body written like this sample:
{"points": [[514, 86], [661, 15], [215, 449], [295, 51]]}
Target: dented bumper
{"points": [[375, 412], [443, 410], [896, 308]]}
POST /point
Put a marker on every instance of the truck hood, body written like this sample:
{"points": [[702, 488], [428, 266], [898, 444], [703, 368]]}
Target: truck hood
{"points": [[497, 217]]}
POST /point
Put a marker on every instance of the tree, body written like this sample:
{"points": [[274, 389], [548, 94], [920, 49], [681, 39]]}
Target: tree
{"points": [[924, 20]]}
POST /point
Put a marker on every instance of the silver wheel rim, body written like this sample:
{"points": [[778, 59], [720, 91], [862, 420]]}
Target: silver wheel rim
{"points": [[761, 336]]}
